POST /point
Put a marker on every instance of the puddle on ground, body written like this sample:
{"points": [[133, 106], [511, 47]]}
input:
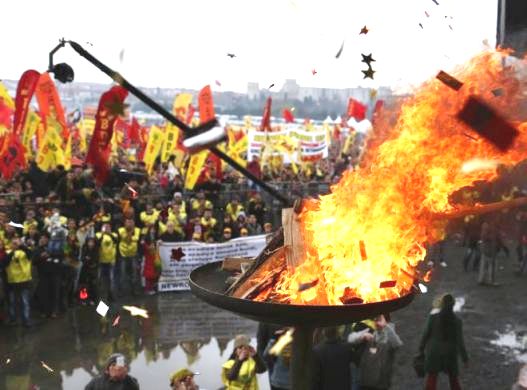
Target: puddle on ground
{"points": [[512, 343]]}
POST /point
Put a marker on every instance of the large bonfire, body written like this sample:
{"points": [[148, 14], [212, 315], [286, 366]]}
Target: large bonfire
{"points": [[373, 226]]}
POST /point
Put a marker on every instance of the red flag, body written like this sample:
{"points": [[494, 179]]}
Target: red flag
{"points": [[110, 104], [49, 103], [379, 105], [266, 119], [133, 132], [206, 105], [288, 116], [5, 114], [356, 110], [24, 92], [206, 113]]}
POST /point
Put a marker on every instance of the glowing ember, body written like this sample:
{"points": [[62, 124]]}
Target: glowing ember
{"points": [[386, 205]]}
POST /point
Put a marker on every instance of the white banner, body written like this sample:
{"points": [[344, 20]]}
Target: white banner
{"points": [[304, 145], [178, 259]]}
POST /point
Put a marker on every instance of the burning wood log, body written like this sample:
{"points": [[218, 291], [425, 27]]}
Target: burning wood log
{"points": [[272, 246], [236, 264], [293, 239], [483, 209], [260, 277]]}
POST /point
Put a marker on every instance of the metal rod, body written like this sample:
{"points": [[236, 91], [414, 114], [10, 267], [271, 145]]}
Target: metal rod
{"points": [[301, 361], [171, 118]]}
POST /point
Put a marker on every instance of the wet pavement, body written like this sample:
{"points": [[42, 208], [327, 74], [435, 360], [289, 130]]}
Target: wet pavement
{"points": [[184, 331], [181, 331]]}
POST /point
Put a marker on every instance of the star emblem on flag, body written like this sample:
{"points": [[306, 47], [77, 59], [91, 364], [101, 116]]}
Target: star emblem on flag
{"points": [[177, 254]]}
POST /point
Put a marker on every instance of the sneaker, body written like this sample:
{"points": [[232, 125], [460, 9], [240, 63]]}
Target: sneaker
{"points": [[443, 264], [430, 263]]}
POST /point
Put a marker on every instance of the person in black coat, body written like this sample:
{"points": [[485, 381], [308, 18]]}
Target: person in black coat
{"points": [[115, 376], [331, 362]]}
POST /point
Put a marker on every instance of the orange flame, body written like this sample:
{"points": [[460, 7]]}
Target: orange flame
{"points": [[383, 209]]}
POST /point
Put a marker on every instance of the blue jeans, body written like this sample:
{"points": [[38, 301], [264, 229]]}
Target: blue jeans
{"points": [[106, 276], [16, 295]]}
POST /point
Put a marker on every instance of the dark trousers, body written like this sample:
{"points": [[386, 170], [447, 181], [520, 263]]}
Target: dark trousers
{"points": [[472, 251], [107, 280], [19, 301], [129, 272], [431, 382], [50, 284]]}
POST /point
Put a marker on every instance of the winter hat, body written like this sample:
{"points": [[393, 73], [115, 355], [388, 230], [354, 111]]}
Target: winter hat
{"points": [[241, 340], [116, 358], [181, 374]]}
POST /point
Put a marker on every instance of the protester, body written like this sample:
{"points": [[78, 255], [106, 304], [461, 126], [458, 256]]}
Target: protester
{"points": [[489, 246], [332, 359], [115, 376], [376, 362], [18, 270], [239, 372], [90, 270], [183, 380], [281, 361], [128, 261], [442, 344], [107, 244]]}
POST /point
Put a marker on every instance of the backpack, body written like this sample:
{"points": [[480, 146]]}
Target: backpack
{"points": [[57, 242]]}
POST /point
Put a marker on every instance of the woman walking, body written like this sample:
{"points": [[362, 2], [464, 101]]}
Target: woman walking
{"points": [[442, 343]]}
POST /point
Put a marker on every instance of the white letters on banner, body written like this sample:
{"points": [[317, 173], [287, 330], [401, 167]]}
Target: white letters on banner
{"points": [[176, 269], [312, 145]]}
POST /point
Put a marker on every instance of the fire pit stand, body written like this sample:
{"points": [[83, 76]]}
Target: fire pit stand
{"points": [[208, 284]]}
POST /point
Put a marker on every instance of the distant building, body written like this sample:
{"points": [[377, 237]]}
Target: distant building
{"points": [[253, 90]]}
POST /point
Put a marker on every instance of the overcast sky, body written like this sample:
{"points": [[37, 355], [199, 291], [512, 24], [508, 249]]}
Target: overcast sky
{"points": [[185, 43]]}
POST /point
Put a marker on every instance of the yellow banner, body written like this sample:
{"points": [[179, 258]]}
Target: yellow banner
{"points": [[29, 131], [67, 154], [4, 94], [50, 153], [153, 147], [171, 140], [194, 168], [180, 107]]}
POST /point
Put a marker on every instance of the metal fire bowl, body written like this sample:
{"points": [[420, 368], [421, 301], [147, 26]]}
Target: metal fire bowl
{"points": [[208, 284]]}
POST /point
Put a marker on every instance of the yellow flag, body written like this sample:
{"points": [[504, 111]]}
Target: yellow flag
{"points": [[171, 140], [194, 168], [50, 153], [180, 107], [4, 94], [29, 131], [153, 147]]}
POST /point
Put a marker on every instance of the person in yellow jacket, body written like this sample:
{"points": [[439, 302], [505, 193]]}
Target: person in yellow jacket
{"points": [[18, 271], [107, 243], [149, 216], [239, 372], [128, 261]]}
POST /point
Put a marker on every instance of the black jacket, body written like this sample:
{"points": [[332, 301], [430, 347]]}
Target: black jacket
{"points": [[331, 365], [103, 382]]}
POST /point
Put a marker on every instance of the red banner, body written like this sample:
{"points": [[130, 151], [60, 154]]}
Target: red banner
{"points": [[24, 92], [111, 105], [266, 119], [206, 114], [206, 105], [49, 103]]}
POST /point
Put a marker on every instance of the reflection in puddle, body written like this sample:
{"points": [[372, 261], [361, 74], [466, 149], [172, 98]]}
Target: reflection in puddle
{"points": [[181, 332], [512, 343]]}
